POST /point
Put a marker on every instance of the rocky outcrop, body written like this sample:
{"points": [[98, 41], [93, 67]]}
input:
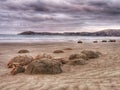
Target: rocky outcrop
{"points": [[107, 32]]}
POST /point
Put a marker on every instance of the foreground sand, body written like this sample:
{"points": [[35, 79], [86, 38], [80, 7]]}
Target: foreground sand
{"points": [[99, 74]]}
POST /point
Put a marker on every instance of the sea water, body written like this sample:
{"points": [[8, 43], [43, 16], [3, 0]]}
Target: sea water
{"points": [[10, 38]]}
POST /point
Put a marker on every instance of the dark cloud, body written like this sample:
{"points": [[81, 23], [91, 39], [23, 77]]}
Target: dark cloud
{"points": [[34, 6], [98, 3], [115, 10], [106, 7]]}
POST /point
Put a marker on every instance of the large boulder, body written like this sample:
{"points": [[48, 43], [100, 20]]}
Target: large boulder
{"points": [[39, 57], [61, 60], [79, 41], [58, 51], [91, 54], [44, 66], [78, 56], [22, 60], [77, 62], [17, 69], [77, 59]]}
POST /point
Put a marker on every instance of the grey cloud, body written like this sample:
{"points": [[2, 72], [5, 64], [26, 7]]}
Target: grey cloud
{"points": [[70, 6], [98, 3], [69, 13]]}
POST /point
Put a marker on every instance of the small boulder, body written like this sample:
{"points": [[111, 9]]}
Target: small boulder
{"points": [[95, 41], [112, 40], [22, 60], [104, 40], [58, 51], [45, 66], [90, 54], [68, 49], [23, 51], [79, 42]]}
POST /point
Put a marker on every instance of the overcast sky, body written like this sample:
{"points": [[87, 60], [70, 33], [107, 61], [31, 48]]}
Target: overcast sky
{"points": [[58, 15]]}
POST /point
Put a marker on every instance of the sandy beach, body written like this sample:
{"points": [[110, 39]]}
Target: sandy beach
{"points": [[102, 73]]}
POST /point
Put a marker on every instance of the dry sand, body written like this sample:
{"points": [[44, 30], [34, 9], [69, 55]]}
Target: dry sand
{"points": [[99, 74]]}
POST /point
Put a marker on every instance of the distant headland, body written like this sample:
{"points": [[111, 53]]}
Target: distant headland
{"points": [[107, 32]]}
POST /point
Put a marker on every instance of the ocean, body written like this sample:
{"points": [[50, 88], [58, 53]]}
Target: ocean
{"points": [[9, 38]]}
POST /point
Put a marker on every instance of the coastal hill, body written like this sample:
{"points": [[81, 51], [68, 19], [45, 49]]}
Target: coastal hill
{"points": [[107, 32]]}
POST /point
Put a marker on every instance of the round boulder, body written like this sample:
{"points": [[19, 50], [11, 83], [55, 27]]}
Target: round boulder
{"points": [[22, 60], [90, 54], [95, 41], [17, 69], [62, 60], [39, 57], [78, 56], [58, 51], [68, 49], [77, 62], [44, 66], [79, 42], [112, 40], [23, 51], [104, 40]]}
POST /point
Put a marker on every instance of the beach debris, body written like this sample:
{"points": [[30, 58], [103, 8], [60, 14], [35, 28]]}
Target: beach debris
{"points": [[22, 60], [77, 62], [68, 49], [44, 66], [23, 51], [78, 56], [104, 40], [58, 51], [79, 42], [91, 54], [17, 68], [112, 40]]}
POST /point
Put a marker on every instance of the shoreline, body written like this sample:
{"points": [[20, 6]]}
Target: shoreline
{"points": [[36, 43]]}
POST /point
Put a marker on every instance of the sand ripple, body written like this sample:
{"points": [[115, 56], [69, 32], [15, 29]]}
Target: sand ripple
{"points": [[99, 79]]}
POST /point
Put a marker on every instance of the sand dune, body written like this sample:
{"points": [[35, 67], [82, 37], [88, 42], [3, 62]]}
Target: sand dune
{"points": [[99, 74]]}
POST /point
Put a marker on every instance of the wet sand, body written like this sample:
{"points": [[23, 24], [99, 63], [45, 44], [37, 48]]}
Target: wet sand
{"points": [[102, 73]]}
